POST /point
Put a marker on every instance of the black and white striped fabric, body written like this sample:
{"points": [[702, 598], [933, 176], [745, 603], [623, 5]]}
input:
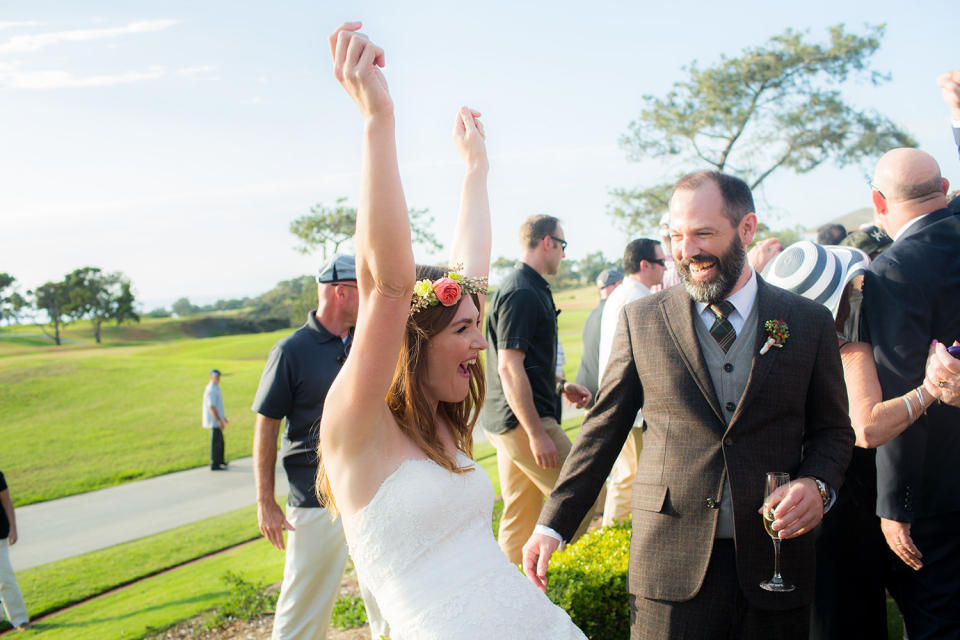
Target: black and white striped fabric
{"points": [[816, 272]]}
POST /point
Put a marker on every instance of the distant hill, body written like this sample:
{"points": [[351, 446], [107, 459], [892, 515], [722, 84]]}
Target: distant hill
{"points": [[853, 220]]}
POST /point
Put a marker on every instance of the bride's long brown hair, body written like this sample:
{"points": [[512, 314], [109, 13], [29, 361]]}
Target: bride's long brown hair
{"points": [[410, 408]]}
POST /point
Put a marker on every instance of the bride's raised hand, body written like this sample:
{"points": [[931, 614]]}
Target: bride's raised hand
{"points": [[470, 139], [356, 65]]}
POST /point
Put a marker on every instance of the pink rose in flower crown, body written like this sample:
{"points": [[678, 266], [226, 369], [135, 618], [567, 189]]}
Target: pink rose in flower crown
{"points": [[447, 291]]}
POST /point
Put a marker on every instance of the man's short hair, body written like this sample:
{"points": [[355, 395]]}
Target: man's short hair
{"points": [[831, 233], [737, 198], [536, 228], [636, 252]]}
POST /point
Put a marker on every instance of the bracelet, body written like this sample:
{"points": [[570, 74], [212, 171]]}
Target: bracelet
{"points": [[906, 401], [923, 407]]}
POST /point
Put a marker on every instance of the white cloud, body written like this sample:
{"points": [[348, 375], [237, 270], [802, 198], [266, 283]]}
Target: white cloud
{"points": [[13, 78], [25, 23], [35, 42]]}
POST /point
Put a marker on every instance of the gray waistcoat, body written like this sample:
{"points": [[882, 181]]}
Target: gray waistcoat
{"points": [[729, 387]]}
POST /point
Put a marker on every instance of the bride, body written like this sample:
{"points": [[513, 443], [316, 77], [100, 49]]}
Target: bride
{"points": [[416, 509]]}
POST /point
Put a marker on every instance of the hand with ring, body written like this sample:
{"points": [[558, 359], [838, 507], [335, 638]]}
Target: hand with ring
{"points": [[898, 539], [942, 380]]}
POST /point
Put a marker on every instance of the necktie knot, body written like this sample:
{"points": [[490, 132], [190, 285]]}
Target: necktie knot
{"points": [[722, 309]]}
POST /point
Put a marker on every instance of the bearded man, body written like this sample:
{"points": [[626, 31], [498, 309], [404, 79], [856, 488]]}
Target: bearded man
{"points": [[721, 411]]}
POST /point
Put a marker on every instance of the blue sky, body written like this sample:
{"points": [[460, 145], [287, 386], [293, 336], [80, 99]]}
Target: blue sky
{"points": [[175, 141]]}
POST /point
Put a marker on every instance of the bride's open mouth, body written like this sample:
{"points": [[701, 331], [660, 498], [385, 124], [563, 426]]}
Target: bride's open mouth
{"points": [[464, 367]]}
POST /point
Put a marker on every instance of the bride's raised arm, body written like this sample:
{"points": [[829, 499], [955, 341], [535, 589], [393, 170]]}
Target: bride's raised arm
{"points": [[471, 240], [385, 268]]}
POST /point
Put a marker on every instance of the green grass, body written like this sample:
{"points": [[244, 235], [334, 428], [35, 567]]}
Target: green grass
{"points": [[53, 586], [152, 605], [63, 412]]}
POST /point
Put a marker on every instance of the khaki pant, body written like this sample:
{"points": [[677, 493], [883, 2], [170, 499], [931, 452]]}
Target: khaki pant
{"points": [[616, 506], [524, 485], [316, 557]]}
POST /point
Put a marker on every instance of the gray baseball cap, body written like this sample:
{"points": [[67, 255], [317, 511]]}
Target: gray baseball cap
{"points": [[608, 277], [340, 268]]}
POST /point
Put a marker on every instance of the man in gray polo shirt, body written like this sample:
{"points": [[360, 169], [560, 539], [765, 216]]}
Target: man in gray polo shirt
{"points": [[294, 385]]}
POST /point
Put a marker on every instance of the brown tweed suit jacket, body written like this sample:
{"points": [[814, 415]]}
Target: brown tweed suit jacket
{"points": [[792, 417]]}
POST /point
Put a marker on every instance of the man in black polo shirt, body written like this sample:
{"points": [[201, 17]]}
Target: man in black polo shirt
{"points": [[522, 384], [294, 385]]}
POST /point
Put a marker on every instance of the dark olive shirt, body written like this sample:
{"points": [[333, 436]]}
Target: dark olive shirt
{"points": [[522, 316], [294, 385]]}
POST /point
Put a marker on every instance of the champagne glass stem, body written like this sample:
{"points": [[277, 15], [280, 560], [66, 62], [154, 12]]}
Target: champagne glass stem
{"points": [[776, 561]]}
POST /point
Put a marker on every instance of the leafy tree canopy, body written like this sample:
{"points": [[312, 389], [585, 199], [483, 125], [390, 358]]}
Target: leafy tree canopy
{"points": [[327, 229], [11, 302], [776, 106], [53, 299], [98, 297]]}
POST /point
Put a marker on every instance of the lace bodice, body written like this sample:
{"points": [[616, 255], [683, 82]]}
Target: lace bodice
{"points": [[425, 549]]}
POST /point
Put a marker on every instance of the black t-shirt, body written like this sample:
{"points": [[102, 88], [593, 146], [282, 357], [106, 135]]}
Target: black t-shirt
{"points": [[4, 523], [294, 385], [522, 316]]}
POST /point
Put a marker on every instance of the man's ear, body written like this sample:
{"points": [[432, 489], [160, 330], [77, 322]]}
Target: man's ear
{"points": [[879, 202], [946, 186], [748, 228]]}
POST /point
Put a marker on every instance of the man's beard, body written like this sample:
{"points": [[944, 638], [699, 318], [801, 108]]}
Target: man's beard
{"points": [[729, 267]]}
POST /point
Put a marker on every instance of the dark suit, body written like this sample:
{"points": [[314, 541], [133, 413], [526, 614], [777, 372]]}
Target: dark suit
{"points": [[792, 417], [912, 296]]}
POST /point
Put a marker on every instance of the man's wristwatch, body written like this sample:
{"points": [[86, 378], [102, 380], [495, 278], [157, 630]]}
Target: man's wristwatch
{"points": [[824, 493], [561, 383]]}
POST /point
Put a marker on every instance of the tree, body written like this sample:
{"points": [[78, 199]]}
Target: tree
{"points": [[592, 264], [326, 229], [774, 107], [500, 267], [566, 276], [183, 307], [53, 298], [11, 302], [99, 297]]}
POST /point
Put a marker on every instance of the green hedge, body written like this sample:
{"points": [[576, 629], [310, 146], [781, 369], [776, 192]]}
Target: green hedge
{"points": [[589, 580]]}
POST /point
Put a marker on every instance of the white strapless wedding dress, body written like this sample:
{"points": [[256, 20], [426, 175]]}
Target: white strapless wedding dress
{"points": [[425, 549]]}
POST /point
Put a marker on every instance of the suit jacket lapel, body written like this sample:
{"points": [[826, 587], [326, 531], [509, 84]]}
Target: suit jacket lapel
{"points": [[769, 307], [678, 314]]}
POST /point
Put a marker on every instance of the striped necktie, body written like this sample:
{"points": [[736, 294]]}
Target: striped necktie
{"points": [[722, 331]]}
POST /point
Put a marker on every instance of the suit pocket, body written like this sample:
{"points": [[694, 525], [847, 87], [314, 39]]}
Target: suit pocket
{"points": [[648, 497]]}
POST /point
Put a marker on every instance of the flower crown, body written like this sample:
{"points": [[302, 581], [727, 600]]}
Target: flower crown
{"points": [[446, 290]]}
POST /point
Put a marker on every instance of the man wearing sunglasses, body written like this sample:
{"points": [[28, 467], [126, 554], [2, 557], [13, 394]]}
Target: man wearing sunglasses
{"points": [[521, 415], [294, 385]]}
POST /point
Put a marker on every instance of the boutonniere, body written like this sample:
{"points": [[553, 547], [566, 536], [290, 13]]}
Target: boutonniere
{"points": [[777, 334]]}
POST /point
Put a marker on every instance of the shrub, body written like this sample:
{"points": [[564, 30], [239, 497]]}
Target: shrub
{"points": [[588, 579], [348, 613], [246, 601]]}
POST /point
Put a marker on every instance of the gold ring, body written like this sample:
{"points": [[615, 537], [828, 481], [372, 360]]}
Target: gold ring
{"points": [[941, 383], [899, 544]]}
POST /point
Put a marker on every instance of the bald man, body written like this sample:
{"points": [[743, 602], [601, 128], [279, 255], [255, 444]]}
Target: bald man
{"points": [[911, 297]]}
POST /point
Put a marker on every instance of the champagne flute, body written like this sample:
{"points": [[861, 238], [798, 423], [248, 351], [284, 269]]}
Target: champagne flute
{"points": [[774, 479]]}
